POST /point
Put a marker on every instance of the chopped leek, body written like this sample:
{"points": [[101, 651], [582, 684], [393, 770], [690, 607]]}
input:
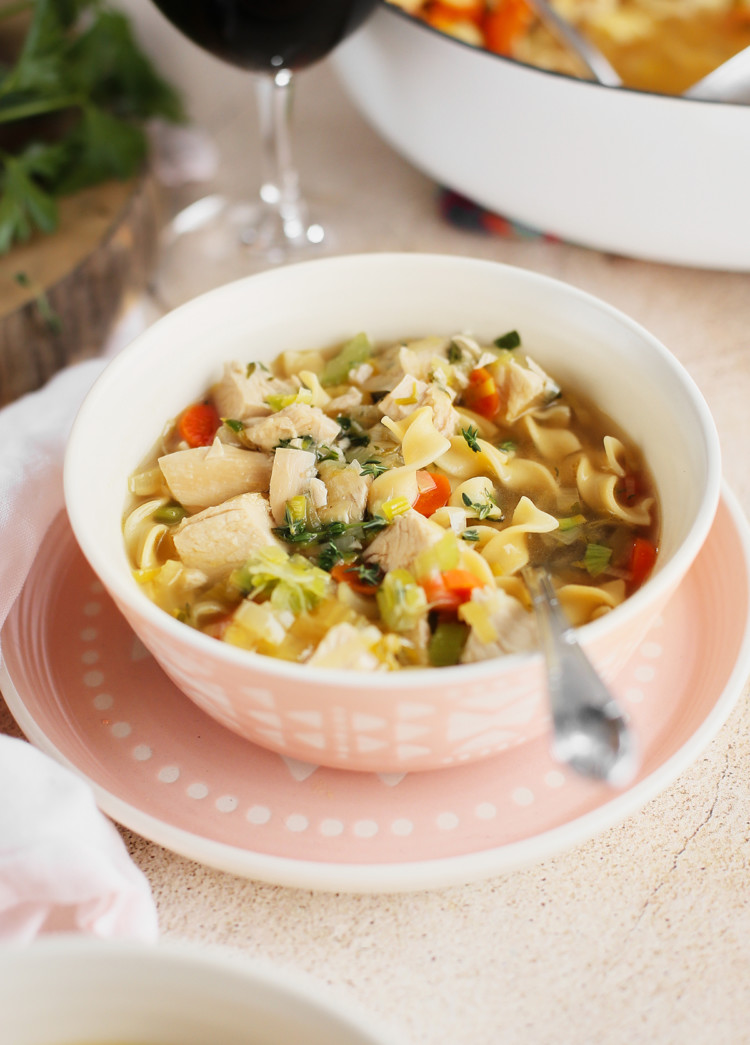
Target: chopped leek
{"points": [[354, 352], [596, 558], [292, 582], [401, 601]]}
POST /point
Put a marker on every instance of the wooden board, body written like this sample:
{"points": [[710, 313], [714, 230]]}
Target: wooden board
{"points": [[60, 295]]}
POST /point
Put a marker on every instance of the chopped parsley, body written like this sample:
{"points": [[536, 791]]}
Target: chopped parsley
{"points": [[233, 424], [470, 535], [510, 340], [455, 353]]}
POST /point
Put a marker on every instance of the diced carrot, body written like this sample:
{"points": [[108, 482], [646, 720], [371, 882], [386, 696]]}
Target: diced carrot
{"points": [[505, 24], [199, 424], [458, 10], [642, 559], [434, 492], [481, 394], [450, 589]]}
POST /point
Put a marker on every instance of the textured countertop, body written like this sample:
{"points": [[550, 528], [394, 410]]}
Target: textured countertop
{"points": [[638, 935]]}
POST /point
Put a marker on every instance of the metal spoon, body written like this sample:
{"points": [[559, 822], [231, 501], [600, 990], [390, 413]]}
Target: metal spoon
{"points": [[591, 56], [729, 82], [591, 733]]}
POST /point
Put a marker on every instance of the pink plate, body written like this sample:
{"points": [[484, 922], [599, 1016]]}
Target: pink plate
{"points": [[84, 690]]}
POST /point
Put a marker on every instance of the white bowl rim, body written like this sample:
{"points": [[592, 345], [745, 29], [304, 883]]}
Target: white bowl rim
{"points": [[657, 586], [293, 984], [399, 12]]}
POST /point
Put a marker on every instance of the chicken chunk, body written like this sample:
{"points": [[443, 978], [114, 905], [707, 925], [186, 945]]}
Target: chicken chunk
{"points": [[290, 423], [241, 395], [347, 491], [521, 387], [346, 646], [291, 476], [208, 475], [398, 546], [514, 626], [344, 403], [411, 394], [220, 538]]}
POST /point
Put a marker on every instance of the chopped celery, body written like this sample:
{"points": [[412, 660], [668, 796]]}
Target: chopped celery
{"points": [[292, 582], [439, 557], [447, 643], [354, 352], [395, 506], [296, 510], [571, 521], [401, 601]]}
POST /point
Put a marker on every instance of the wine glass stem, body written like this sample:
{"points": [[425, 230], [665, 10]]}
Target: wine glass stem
{"points": [[280, 190]]}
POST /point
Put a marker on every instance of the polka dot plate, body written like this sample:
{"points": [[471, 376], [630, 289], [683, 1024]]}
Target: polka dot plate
{"points": [[84, 690]]}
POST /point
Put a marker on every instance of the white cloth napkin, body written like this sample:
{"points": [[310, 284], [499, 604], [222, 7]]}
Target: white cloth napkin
{"points": [[63, 866]]}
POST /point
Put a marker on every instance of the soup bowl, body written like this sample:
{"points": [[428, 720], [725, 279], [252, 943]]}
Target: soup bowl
{"points": [[420, 718], [631, 172], [74, 990]]}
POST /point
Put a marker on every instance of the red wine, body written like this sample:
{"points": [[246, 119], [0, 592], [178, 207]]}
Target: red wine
{"points": [[265, 35]]}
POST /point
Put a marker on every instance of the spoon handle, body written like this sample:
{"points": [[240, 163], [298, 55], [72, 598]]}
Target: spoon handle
{"points": [[590, 730]]}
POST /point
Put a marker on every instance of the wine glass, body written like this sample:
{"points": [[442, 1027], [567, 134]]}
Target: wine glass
{"points": [[213, 239]]}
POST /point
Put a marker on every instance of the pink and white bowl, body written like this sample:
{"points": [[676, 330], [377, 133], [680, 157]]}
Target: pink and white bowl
{"points": [[423, 718]]}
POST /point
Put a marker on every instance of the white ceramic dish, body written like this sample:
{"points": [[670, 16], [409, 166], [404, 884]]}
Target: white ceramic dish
{"points": [[402, 721], [639, 174], [74, 990]]}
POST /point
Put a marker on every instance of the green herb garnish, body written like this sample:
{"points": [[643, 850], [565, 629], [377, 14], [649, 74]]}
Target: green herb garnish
{"points": [[233, 424], [470, 435], [373, 467], [510, 340], [477, 508], [79, 59], [470, 535], [455, 353]]}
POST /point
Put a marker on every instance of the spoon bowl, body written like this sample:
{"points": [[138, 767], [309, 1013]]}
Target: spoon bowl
{"points": [[591, 732]]}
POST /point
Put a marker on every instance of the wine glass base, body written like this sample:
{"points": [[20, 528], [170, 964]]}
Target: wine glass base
{"points": [[214, 241]]}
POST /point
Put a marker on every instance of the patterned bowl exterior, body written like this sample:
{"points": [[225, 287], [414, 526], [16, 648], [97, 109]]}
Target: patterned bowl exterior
{"points": [[386, 728]]}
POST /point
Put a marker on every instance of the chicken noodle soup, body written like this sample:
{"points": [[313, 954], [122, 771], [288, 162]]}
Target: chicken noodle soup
{"points": [[655, 45], [372, 507]]}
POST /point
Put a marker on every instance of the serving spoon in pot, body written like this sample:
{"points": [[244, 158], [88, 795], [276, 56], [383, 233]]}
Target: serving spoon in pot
{"points": [[590, 731], [728, 82]]}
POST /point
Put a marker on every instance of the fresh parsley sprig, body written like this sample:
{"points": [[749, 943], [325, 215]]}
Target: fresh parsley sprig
{"points": [[80, 63]]}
